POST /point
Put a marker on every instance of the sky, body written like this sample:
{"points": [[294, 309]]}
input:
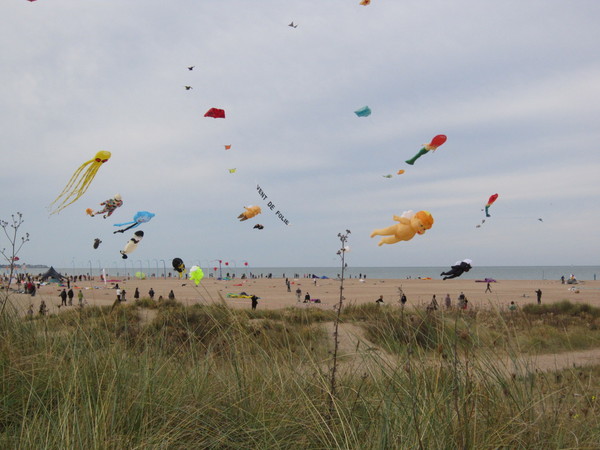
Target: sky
{"points": [[514, 85]]}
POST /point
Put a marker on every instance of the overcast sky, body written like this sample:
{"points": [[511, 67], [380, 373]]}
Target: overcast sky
{"points": [[515, 85]]}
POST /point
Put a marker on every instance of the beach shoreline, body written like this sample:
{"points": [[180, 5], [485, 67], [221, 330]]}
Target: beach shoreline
{"points": [[273, 292]]}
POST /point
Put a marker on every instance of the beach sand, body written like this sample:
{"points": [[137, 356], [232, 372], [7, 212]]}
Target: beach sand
{"points": [[274, 295]]}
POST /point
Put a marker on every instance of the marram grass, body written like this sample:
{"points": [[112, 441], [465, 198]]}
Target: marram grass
{"points": [[211, 377]]}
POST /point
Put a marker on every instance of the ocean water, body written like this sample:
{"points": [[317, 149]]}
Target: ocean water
{"points": [[497, 272]]}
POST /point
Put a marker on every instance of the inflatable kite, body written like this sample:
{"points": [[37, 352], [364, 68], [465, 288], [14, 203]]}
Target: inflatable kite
{"points": [[179, 266], [97, 243], [227, 147], [250, 212], [491, 200], [457, 269], [196, 274], [292, 24], [400, 172], [215, 113], [109, 206], [80, 181], [433, 145], [365, 2], [365, 111], [389, 175], [132, 244], [139, 218], [258, 226], [409, 224], [232, 170]]}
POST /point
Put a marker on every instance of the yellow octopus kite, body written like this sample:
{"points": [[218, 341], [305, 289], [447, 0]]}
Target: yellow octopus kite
{"points": [[80, 181]]}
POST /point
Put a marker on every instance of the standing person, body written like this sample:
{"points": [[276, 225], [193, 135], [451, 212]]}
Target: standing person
{"points": [[403, 299], [44, 308], [433, 305], [123, 295], [151, 294], [488, 288], [298, 294], [80, 298], [118, 293], [71, 294], [461, 300], [63, 298], [30, 312], [254, 299], [448, 301], [288, 284], [136, 294], [539, 296], [171, 295], [562, 279], [32, 290], [307, 298]]}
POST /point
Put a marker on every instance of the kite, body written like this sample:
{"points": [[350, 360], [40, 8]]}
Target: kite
{"points": [[187, 88], [409, 224], [433, 145], [387, 176], [109, 206], [179, 266], [457, 269], [365, 111], [400, 172], [232, 170], [250, 212], [215, 113], [97, 243], [365, 2], [258, 226], [80, 181], [227, 147], [191, 67], [139, 218], [196, 274], [491, 200], [140, 275], [132, 243], [292, 24]]}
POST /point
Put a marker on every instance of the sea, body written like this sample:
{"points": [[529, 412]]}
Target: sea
{"points": [[581, 273]]}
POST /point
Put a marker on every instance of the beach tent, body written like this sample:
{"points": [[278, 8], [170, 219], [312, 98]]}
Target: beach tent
{"points": [[52, 275]]}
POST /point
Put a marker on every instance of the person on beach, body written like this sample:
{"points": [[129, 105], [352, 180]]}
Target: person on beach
{"points": [[136, 294], [488, 288], [379, 300], [80, 298], [512, 306], [539, 296], [118, 294], [307, 298], [30, 312], [462, 301], [44, 308], [403, 299], [298, 294], [123, 292], [448, 301], [254, 300], [171, 295], [151, 294], [433, 305], [71, 294], [63, 298]]}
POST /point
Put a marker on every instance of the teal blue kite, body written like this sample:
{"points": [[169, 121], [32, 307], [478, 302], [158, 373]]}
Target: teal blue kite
{"points": [[365, 111]]}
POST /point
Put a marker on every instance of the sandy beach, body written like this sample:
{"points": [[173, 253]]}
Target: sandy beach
{"points": [[273, 292]]}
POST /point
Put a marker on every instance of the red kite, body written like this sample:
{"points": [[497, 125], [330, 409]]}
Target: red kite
{"points": [[215, 113]]}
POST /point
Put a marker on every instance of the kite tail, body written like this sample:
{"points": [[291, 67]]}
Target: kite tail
{"points": [[72, 189], [412, 160], [486, 211]]}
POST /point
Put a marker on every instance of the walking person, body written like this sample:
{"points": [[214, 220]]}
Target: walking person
{"points": [[488, 288], [80, 298], [539, 296], [448, 301], [136, 294], [254, 299], [71, 294]]}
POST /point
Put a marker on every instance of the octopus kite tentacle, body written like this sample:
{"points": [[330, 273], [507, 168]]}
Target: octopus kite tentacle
{"points": [[80, 181]]}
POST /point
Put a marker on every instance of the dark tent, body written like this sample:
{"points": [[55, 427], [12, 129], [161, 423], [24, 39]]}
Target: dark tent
{"points": [[52, 275]]}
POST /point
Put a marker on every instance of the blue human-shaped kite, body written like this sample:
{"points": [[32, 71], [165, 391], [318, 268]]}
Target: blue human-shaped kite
{"points": [[139, 218]]}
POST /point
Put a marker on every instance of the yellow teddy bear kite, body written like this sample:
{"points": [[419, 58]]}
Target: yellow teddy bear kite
{"points": [[409, 224]]}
